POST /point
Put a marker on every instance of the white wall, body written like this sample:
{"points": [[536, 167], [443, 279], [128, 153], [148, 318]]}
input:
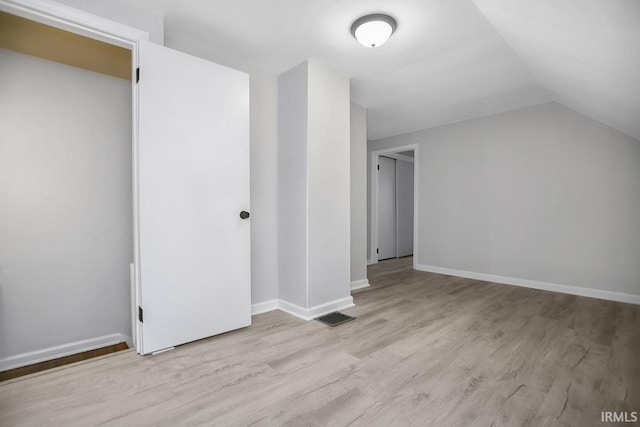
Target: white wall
{"points": [[314, 177], [65, 204], [358, 193], [264, 186], [329, 177], [541, 193], [293, 209]]}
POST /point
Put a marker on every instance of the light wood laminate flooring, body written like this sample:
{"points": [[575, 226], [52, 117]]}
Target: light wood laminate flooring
{"points": [[425, 349]]}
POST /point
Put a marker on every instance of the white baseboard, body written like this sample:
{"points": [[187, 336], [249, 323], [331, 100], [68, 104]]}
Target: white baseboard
{"points": [[301, 312], [51, 353], [369, 262], [294, 310], [263, 307], [545, 286], [359, 284], [330, 307]]}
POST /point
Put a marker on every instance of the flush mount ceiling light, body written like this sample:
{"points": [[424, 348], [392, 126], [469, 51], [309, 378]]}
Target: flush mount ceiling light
{"points": [[373, 30]]}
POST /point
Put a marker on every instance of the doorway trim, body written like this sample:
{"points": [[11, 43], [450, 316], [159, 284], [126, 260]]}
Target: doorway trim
{"points": [[83, 23], [373, 230]]}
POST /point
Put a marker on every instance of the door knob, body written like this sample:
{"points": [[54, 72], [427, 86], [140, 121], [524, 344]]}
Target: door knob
{"points": [[244, 214]]}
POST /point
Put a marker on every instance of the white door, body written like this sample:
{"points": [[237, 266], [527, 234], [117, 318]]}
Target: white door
{"points": [[193, 182], [386, 208], [404, 208]]}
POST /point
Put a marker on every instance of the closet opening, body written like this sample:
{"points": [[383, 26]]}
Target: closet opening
{"points": [[66, 218]]}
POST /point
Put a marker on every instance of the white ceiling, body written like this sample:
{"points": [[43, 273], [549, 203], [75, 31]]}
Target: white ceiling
{"points": [[586, 53], [448, 61]]}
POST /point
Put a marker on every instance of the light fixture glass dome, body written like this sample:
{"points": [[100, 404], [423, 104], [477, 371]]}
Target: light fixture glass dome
{"points": [[373, 30]]}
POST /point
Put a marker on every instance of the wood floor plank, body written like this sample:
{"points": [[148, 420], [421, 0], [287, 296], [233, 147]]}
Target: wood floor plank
{"points": [[425, 349]]}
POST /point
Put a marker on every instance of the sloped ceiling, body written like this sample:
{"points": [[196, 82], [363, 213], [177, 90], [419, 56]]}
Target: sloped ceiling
{"points": [[585, 53], [449, 60]]}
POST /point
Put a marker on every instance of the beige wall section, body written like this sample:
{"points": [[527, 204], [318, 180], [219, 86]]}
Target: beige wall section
{"points": [[36, 39]]}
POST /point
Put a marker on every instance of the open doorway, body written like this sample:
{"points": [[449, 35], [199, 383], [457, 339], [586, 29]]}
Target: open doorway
{"points": [[394, 203]]}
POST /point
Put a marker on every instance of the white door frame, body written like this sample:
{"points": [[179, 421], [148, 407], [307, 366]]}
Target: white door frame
{"points": [[373, 230], [98, 28]]}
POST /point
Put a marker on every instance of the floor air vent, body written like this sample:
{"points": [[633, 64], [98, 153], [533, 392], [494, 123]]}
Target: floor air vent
{"points": [[334, 319]]}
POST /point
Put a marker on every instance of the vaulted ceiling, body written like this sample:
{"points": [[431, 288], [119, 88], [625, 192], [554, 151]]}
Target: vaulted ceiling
{"points": [[449, 60], [585, 53]]}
